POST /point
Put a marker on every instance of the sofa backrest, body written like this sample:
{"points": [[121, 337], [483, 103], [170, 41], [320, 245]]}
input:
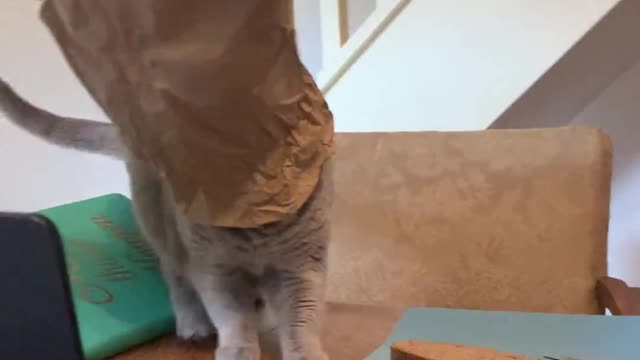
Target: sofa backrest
{"points": [[495, 220]]}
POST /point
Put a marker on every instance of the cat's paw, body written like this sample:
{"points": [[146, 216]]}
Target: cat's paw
{"points": [[309, 351], [314, 356], [191, 328], [249, 352]]}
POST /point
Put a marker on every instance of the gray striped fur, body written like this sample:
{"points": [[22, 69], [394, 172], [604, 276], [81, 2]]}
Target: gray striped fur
{"points": [[85, 135], [238, 283]]}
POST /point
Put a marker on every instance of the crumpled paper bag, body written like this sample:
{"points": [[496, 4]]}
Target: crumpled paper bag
{"points": [[213, 93]]}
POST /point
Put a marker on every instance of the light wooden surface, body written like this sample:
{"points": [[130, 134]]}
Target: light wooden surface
{"points": [[352, 333], [425, 350]]}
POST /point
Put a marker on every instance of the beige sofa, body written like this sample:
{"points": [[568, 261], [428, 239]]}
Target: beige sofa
{"points": [[501, 220], [504, 219]]}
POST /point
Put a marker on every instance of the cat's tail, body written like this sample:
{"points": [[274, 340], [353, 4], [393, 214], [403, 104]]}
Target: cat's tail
{"points": [[85, 135]]}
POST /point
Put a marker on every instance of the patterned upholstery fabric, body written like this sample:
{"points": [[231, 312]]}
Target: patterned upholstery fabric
{"points": [[495, 220]]}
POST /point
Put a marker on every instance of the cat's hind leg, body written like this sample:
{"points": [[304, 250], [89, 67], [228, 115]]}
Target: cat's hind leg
{"points": [[156, 219], [298, 300], [230, 298], [192, 320]]}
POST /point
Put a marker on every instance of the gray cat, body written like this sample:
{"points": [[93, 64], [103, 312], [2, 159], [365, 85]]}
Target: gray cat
{"points": [[240, 283]]}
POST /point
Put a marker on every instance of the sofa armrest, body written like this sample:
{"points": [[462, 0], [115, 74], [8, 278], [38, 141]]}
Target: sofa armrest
{"points": [[615, 295]]}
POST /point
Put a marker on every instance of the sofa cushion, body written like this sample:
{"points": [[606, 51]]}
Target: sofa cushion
{"points": [[495, 219]]}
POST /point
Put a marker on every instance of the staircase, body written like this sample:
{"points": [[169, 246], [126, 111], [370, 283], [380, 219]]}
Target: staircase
{"points": [[465, 64]]}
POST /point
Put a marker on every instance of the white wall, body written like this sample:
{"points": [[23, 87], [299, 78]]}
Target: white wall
{"points": [[457, 64], [617, 112], [602, 55], [309, 33], [34, 175]]}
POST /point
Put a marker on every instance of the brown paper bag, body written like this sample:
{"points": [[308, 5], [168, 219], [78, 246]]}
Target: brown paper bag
{"points": [[212, 93]]}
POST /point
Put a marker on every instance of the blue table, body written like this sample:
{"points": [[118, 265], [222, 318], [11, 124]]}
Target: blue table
{"points": [[531, 334]]}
